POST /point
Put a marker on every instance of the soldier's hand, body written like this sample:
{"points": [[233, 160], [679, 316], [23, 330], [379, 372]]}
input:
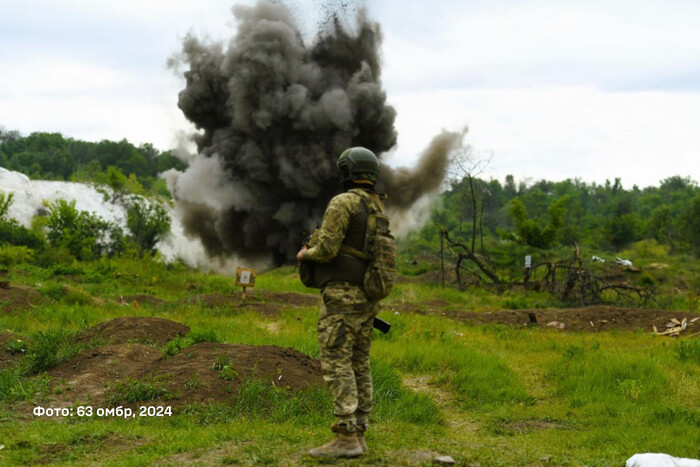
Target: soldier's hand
{"points": [[300, 253]]}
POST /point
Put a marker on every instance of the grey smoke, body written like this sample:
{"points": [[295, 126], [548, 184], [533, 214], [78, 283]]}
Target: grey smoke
{"points": [[273, 115]]}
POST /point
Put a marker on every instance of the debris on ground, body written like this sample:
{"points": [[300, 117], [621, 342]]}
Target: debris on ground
{"points": [[674, 328], [556, 325], [444, 460]]}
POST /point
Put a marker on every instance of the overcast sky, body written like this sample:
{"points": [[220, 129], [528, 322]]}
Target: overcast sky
{"points": [[550, 88]]}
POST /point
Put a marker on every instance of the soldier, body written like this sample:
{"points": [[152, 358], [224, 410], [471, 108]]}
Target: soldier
{"points": [[346, 313]]}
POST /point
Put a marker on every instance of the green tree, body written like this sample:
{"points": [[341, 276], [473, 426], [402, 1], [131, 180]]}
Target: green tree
{"points": [[115, 178], [533, 231], [84, 235], [148, 222], [690, 225]]}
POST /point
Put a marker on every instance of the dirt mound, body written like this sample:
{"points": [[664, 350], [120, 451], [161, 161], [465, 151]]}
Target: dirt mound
{"points": [[202, 373], [199, 374], [142, 330], [590, 319], [15, 298], [90, 374]]}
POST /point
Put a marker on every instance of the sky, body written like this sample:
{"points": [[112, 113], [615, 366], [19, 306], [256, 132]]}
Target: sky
{"points": [[549, 89]]}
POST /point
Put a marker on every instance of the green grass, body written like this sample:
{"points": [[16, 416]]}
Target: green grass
{"points": [[132, 391], [487, 394]]}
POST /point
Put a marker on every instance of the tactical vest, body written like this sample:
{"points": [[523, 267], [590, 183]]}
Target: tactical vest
{"points": [[345, 267]]}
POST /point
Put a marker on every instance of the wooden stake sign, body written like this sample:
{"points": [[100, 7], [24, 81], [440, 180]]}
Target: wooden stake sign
{"points": [[245, 278]]}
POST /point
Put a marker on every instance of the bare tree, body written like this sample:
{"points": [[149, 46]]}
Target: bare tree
{"points": [[466, 165]]}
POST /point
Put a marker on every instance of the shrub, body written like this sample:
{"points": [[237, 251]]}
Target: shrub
{"points": [[84, 235], [148, 222], [53, 291], [14, 234], [48, 349], [11, 255], [5, 202]]}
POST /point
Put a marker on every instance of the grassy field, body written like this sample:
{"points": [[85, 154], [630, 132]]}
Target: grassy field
{"points": [[483, 394]]}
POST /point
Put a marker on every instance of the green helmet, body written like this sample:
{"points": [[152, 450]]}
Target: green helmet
{"points": [[358, 163]]}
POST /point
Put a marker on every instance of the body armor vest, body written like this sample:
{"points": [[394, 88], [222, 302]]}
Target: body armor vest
{"points": [[345, 267]]}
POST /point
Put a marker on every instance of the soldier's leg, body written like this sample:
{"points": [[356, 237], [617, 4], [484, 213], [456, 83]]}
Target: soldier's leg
{"points": [[335, 340], [361, 368], [340, 314]]}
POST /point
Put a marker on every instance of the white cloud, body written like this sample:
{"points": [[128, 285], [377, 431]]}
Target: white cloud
{"points": [[614, 44], [560, 133], [552, 88]]}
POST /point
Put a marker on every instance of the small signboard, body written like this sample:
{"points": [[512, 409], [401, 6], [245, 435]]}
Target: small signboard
{"points": [[245, 277], [528, 262]]}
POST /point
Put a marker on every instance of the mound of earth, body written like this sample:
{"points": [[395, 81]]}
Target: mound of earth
{"points": [[15, 298], [588, 319], [90, 374], [202, 373], [195, 374], [144, 330]]}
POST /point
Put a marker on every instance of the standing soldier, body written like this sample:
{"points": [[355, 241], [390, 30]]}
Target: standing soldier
{"points": [[339, 251]]}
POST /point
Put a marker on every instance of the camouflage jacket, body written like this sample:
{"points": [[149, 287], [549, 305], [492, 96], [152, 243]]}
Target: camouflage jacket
{"points": [[326, 241]]}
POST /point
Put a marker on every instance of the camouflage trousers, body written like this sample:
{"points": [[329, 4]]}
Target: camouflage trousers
{"points": [[344, 336]]}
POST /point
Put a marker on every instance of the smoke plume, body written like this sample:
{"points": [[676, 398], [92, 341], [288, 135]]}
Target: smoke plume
{"points": [[273, 115]]}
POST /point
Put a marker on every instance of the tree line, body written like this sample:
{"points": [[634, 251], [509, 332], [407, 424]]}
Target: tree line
{"points": [[485, 229], [52, 156]]}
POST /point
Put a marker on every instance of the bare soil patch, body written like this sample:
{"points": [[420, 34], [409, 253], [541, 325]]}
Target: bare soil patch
{"points": [[261, 301], [90, 374], [15, 298], [195, 375], [586, 319], [144, 330]]}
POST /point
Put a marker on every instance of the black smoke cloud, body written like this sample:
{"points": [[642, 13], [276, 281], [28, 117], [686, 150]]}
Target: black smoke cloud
{"points": [[273, 115]]}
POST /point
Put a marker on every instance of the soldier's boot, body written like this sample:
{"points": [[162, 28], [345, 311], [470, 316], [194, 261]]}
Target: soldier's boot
{"points": [[345, 444], [361, 438]]}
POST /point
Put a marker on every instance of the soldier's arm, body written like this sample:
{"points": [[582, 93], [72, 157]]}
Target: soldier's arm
{"points": [[326, 241]]}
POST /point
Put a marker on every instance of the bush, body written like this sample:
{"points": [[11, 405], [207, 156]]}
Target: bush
{"points": [[14, 234], [5, 202], [48, 349], [53, 291], [85, 236], [148, 222], [11, 255]]}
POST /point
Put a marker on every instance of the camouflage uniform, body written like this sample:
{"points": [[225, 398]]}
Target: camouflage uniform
{"points": [[345, 321]]}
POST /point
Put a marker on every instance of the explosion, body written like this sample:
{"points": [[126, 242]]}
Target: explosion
{"points": [[273, 115]]}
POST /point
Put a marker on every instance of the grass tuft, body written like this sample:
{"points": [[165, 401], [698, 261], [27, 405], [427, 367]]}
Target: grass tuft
{"points": [[133, 391]]}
